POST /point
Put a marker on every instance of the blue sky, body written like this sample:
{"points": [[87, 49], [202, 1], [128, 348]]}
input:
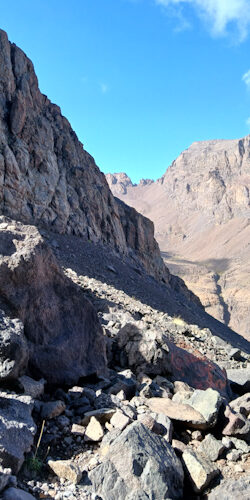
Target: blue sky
{"points": [[140, 80]]}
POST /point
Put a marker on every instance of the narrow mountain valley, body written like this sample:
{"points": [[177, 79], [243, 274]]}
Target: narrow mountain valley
{"points": [[115, 383], [201, 211]]}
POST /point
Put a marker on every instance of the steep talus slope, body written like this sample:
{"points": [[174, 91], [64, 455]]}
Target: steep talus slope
{"points": [[201, 212], [48, 179]]}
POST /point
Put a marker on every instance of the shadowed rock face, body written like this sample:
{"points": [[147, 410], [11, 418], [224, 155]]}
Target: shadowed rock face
{"points": [[48, 179], [201, 212], [61, 327]]}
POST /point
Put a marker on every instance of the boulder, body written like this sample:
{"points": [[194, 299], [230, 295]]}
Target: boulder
{"points": [[17, 429], [138, 465], [14, 353], [147, 350], [151, 352], [17, 494], [231, 489], [184, 414], [63, 333], [207, 403]]}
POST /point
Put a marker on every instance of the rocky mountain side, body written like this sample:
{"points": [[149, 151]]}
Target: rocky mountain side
{"points": [[201, 212], [48, 179], [158, 418], [115, 384]]}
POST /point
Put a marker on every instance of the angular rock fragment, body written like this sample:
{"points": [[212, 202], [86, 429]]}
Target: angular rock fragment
{"points": [[231, 489], [201, 471], [138, 465], [207, 403], [102, 415], [31, 387], [52, 409], [211, 447], [5, 475], [94, 430], [239, 379], [14, 353], [17, 429], [66, 469], [119, 420], [241, 405], [181, 413]]}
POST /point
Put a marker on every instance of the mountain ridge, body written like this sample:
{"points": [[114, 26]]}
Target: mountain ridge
{"points": [[211, 179]]}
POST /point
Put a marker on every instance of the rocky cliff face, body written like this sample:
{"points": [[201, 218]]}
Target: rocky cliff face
{"points": [[201, 212], [48, 179]]}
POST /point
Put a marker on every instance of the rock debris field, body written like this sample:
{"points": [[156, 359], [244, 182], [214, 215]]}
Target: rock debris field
{"points": [[162, 420]]}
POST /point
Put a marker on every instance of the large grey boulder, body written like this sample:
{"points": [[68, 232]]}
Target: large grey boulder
{"points": [[17, 429], [232, 489], [138, 465], [150, 351], [17, 494], [147, 350], [62, 330], [14, 352]]}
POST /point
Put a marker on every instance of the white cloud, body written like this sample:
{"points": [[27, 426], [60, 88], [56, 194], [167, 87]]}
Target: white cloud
{"points": [[246, 79], [219, 15], [248, 122]]}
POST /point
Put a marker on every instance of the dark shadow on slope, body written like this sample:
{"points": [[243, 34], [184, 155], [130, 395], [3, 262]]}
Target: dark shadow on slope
{"points": [[102, 263]]}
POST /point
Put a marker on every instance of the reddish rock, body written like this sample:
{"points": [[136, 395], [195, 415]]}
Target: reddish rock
{"points": [[196, 370]]}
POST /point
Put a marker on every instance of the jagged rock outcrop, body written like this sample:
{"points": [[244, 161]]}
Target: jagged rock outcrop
{"points": [[201, 211], [48, 179], [61, 327]]}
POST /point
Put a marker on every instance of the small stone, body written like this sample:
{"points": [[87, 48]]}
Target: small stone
{"points": [[238, 468], [94, 430], [212, 448], [234, 455], [31, 387], [5, 475], [78, 430], [235, 424], [235, 354], [227, 441], [201, 471], [119, 420], [65, 469], [63, 421], [240, 445], [241, 405], [197, 435], [179, 446], [52, 409], [101, 414]]}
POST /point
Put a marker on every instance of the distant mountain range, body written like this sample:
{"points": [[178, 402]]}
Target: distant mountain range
{"points": [[201, 211]]}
